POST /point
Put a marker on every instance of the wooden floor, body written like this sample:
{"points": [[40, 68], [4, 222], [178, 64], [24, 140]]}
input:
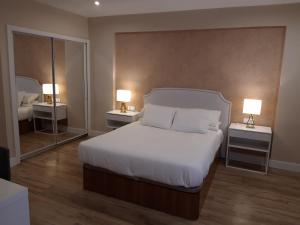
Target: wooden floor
{"points": [[32, 141], [56, 196]]}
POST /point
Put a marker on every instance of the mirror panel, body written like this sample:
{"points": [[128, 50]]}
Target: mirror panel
{"points": [[33, 68]]}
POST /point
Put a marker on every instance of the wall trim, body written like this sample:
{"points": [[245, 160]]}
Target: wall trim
{"points": [[276, 164], [76, 130], [94, 133], [295, 167]]}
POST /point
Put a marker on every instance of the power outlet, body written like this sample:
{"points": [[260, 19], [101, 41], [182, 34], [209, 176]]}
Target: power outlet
{"points": [[245, 120], [131, 108]]}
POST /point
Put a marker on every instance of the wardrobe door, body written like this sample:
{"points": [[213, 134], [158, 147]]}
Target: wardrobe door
{"points": [[33, 77], [71, 95]]}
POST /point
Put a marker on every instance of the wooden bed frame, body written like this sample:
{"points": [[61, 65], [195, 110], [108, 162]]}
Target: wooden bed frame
{"points": [[182, 202], [178, 201]]}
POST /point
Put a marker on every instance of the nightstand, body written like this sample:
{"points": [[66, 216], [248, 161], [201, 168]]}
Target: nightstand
{"points": [[45, 111], [116, 119], [247, 140]]}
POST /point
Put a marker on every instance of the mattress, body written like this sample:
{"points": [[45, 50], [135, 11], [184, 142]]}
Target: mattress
{"points": [[165, 156], [25, 113]]}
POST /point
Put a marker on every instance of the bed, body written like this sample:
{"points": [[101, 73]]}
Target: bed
{"points": [[24, 86], [158, 168]]}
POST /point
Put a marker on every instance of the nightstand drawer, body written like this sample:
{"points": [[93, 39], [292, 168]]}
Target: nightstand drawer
{"points": [[250, 135], [121, 118], [43, 108]]}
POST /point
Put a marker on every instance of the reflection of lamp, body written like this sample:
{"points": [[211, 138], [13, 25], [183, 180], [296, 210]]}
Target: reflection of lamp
{"points": [[123, 96], [48, 92], [252, 107]]}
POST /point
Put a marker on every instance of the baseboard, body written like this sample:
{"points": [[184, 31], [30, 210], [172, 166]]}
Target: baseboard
{"points": [[94, 133], [76, 130], [260, 161], [285, 165], [14, 161]]}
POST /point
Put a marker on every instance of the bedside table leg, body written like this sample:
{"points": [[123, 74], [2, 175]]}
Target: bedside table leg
{"points": [[34, 126], [267, 162]]}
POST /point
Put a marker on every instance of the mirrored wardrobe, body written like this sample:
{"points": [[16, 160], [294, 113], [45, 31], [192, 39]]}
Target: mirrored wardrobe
{"points": [[51, 91]]}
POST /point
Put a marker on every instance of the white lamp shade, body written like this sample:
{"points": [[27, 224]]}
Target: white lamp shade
{"points": [[123, 95], [252, 106], [48, 89]]}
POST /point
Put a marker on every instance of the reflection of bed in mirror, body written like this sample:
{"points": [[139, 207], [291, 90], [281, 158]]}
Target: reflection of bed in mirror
{"points": [[29, 91]]}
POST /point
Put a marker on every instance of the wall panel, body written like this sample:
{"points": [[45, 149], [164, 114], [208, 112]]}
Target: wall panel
{"points": [[239, 62]]}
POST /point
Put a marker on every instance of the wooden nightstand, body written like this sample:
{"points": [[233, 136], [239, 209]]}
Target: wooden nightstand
{"points": [[45, 111], [116, 119], [258, 139]]}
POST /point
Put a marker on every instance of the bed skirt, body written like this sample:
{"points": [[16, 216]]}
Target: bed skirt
{"points": [[178, 201]]}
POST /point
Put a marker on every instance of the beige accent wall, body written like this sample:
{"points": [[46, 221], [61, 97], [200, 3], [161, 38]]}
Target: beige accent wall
{"points": [[32, 15], [240, 63], [102, 35]]}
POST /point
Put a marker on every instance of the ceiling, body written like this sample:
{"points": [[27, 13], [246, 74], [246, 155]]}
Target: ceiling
{"points": [[124, 7]]}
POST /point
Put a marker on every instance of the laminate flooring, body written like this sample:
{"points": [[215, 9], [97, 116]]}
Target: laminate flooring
{"points": [[56, 196]]}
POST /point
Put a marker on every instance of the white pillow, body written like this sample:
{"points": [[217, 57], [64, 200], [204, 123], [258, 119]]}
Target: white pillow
{"points": [[158, 116], [21, 95], [29, 98], [188, 120], [213, 116]]}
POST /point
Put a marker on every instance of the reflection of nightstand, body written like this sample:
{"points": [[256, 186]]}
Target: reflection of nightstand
{"points": [[116, 119], [248, 140], [45, 111]]}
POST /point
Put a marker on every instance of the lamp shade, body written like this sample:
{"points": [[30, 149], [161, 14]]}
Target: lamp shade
{"points": [[123, 95], [48, 89], [252, 106]]}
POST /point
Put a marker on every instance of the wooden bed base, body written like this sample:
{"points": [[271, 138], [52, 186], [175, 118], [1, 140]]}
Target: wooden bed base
{"points": [[182, 202]]}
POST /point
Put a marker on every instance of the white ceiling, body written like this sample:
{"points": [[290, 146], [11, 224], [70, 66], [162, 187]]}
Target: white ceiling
{"points": [[125, 7]]}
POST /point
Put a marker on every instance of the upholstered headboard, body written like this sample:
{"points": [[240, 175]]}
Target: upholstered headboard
{"points": [[193, 98], [29, 85]]}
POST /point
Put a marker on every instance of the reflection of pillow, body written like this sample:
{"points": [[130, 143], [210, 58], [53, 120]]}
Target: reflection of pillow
{"points": [[21, 95], [158, 116], [29, 98]]}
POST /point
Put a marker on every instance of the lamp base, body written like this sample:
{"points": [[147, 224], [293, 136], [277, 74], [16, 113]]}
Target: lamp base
{"points": [[250, 122], [48, 99], [123, 108]]}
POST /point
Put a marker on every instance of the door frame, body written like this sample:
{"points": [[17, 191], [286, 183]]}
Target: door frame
{"points": [[11, 60]]}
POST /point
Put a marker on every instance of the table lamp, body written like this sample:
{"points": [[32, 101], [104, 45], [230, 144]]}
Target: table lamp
{"points": [[251, 107], [48, 92], [123, 96]]}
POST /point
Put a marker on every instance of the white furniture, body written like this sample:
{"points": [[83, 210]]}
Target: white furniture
{"points": [[14, 207], [245, 139], [47, 111], [162, 155], [116, 119]]}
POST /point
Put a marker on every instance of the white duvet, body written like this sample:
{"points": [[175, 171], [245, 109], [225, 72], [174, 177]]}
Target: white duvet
{"points": [[166, 156], [25, 113]]}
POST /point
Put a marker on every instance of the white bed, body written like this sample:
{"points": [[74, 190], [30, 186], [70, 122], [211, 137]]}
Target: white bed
{"points": [[162, 155], [25, 113], [27, 85], [166, 156]]}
